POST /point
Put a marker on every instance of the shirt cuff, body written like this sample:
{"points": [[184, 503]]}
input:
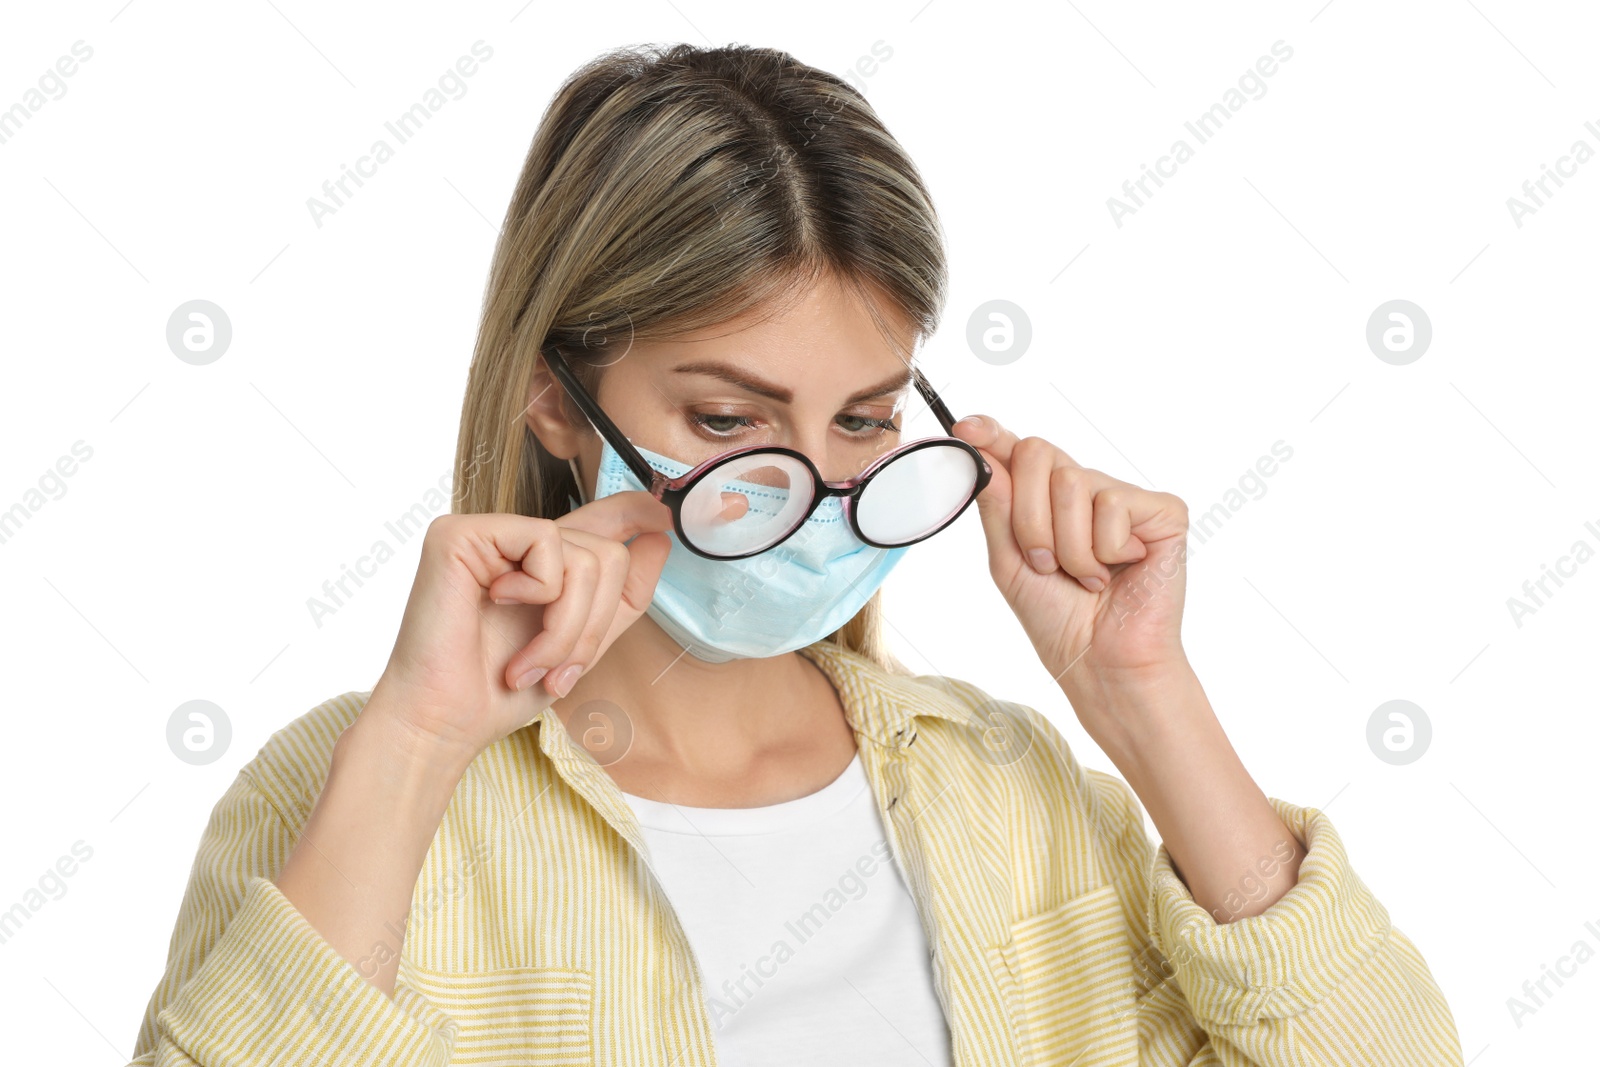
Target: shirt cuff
{"points": [[1284, 960], [273, 990]]}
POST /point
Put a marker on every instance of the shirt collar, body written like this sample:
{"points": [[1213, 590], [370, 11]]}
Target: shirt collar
{"points": [[883, 704]]}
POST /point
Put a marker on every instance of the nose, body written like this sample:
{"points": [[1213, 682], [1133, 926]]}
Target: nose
{"points": [[836, 457], [837, 461]]}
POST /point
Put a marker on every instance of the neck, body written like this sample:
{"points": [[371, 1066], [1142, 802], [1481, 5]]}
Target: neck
{"points": [[696, 715]]}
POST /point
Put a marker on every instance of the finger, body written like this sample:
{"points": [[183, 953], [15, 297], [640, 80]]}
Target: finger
{"points": [[635, 586], [994, 512], [492, 544], [647, 555], [564, 619], [1073, 501], [1032, 520], [538, 580], [1127, 518], [985, 432], [609, 521], [614, 563], [1113, 528], [541, 580]]}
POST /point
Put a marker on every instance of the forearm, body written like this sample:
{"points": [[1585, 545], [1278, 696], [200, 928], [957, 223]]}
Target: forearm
{"points": [[354, 870], [1227, 843]]}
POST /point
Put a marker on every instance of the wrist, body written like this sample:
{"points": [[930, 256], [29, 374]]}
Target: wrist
{"points": [[1144, 686], [423, 764], [1124, 711]]}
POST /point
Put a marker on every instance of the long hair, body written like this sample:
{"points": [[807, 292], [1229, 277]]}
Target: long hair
{"points": [[669, 189]]}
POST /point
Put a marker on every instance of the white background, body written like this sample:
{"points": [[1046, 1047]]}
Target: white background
{"points": [[1226, 314]]}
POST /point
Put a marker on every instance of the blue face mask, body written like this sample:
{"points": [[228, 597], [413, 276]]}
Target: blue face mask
{"points": [[792, 595]]}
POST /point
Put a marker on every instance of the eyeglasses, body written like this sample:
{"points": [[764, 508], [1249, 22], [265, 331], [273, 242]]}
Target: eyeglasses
{"points": [[743, 502]]}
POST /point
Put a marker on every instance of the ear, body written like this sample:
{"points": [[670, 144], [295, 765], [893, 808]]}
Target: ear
{"points": [[546, 419]]}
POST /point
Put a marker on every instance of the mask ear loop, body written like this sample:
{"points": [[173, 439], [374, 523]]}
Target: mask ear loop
{"points": [[576, 479], [572, 463]]}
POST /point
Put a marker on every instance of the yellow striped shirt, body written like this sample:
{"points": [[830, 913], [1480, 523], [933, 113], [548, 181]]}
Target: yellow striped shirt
{"points": [[1059, 934]]}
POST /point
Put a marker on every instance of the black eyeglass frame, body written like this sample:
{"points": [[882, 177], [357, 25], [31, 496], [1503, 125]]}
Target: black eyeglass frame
{"points": [[673, 491]]}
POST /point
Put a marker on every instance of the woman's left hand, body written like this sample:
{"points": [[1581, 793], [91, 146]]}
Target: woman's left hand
{"points": [[1092, 566]]}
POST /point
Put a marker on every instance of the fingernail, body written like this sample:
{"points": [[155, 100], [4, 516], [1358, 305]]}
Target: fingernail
{"points": [[533, 674], [560, 683], [1043, 560], [504, 600], [1093, 584], [972, 422]]}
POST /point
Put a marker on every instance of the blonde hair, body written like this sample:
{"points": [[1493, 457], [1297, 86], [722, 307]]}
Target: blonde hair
{"points": [[669, 189]]}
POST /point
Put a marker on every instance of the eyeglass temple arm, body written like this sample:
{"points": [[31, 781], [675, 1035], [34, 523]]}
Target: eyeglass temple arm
{"points": [[940, 412], [642, 470]]}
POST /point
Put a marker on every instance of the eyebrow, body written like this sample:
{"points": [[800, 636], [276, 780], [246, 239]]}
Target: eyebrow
{"points": [[734, 376]]}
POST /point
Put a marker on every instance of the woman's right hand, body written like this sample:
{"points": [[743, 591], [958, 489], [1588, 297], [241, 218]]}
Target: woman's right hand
{"points": [[502, 602]]}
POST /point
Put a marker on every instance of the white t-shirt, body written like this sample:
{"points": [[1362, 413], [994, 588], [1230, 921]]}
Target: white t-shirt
{"points": [[806, 934]]}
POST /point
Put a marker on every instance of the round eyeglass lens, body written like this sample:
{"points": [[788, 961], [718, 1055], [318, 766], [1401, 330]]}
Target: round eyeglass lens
{"points": [[916, 493], [747, 503]]}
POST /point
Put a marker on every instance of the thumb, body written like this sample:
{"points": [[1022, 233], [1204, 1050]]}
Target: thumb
{"points": [[647, 555], [620, 515]]}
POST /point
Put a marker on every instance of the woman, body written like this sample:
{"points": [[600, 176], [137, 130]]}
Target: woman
{"points": [[640, 784]]}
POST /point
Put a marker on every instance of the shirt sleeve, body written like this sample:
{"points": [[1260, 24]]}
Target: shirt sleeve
{"points": [[249, 981], [1320, 976]]}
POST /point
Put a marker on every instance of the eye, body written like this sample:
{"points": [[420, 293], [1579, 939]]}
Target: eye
{"points": [[855, 424], [719, 425]]}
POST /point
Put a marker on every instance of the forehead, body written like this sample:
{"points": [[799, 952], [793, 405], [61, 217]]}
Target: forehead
{"points": [[820, 318]]}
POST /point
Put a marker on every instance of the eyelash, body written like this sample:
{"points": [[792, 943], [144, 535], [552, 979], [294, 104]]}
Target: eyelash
{"points": [[702, 420]]}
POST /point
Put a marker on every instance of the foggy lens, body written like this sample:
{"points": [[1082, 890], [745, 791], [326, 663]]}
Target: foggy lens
{"points": [[747, 503], [916, 494]]}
